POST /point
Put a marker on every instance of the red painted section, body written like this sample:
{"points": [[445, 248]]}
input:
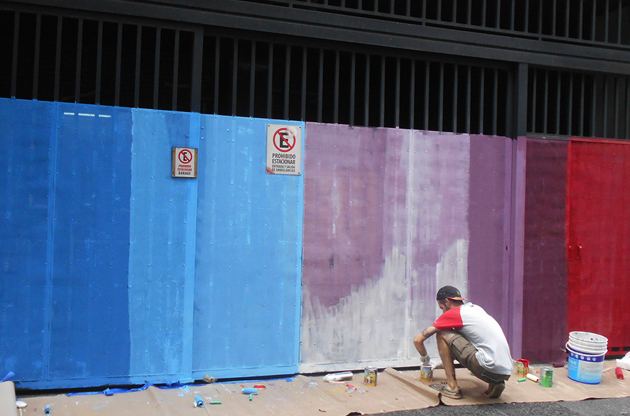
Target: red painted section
{"points": [[599, 240], [545, 262]]}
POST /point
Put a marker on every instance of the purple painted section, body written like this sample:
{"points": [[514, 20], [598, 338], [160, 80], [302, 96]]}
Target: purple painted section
{"points": [[346, 207], [385, 224], [545, 262]]}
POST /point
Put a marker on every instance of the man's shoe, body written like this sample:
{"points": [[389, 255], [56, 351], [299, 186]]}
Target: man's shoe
{"points": [[494, 390], [443, 388]]}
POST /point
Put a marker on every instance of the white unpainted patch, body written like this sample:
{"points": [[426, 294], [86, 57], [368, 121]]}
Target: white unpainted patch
{"points": [[453, 269]]}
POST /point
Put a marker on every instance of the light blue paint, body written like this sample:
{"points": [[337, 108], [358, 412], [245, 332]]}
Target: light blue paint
{"points": [[249, 226], [158, 246]]}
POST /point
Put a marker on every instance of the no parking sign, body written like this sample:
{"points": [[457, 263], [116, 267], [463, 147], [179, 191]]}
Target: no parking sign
{"points": [[184, 164], [284, 149]]}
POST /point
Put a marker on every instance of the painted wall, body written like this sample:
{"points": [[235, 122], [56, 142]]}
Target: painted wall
{"points": [[389, 217], [113, 272]]}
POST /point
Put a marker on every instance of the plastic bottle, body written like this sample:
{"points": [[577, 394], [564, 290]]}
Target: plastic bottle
{"points": [[346, 375]]}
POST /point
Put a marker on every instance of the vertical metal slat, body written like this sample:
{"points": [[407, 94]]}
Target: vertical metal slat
{"points": [[156, 68], [382, 96], [593, 106], [468, 97], [252, 79], [287, 81], [554, 16], [412, 95], [605, 115], [593, 19], [217, 67], [566, 18], [455, 93], [336, 90], [304, 68], [57, 59], [495, 103], [534, 101], [546, 112], [320, 86], [118, 64], [136, 93], [570, 126], [77, 78], [607, 21], [484, 10], [619, 13], [558, 102], [581, 21], [582, 80], [16, 36], [426, 94], [616, 98], [397, 104], [234, 75], [38, 33], [197, 71], [627, 125], [366, 115], [482, 82], [353, 67], [270, 81], [441, 100], [175, 70], [99, 61]]}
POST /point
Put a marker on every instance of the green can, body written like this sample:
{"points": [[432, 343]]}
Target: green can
{"points": [[546, 377]]}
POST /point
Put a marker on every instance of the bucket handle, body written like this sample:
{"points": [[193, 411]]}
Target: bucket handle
{"points": [[581, 353]]}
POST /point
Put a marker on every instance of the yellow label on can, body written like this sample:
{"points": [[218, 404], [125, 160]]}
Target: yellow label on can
{"points": [[370, 376]]}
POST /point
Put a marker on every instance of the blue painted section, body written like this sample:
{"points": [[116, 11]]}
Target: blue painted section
{"points": [[114, 272], [249, 225], [89, 332], [24, 178], [158, 248]]}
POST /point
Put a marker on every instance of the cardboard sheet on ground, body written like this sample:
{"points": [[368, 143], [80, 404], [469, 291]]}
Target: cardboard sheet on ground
{"points": [[304, 395]]}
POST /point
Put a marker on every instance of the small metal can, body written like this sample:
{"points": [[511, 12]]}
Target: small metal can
{"points": [[426, 373], [546, 377], [370, 376]]}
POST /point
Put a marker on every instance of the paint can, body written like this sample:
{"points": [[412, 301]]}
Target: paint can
{"points": [[370, 376], [522, 367], [426, 373], [546, 377]]}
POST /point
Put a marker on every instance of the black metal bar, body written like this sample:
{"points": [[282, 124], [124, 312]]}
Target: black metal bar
{"points": [[581, 21], [441, 100], [469, 12], [336, 89], [616, 99], [217, 70], [412, 95], [156, 70], [77, 78], [619, 13], [270, 82], [397, 104], [287, 81], [426, 94], [482, 82], [606, 20], [16, 37], [553, 18], [627, 108], [454, 13], [118, 64], [99, 62], [468, 97], [497, 16], [366, 115], [534, 97], [38, 34], [526, 26], [382, 96], [57, 58], [593, 106], [234, 75], [455, 91], [408, 10], [353, 67], [540, 19], [558, 103], [593, 19], [424, 12], [197, 68], [320, 86], [605, 116], [512, 11], [252, 79], [519, 109], [570, 126], [582, 92], [566, 18], [136, 93], [546, 112], [439, 10], [495, 104], [304, 68], [175, 70], [483, 13]]}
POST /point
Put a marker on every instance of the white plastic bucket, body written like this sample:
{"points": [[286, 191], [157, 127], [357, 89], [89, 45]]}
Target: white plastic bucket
{"points": [[585, 368], [588, 342]]}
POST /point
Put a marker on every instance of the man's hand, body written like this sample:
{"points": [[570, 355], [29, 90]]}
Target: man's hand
{"points": [[426, 359]]}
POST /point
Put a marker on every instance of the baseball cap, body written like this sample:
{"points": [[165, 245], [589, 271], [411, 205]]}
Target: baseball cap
{"points": [[449, 292]]}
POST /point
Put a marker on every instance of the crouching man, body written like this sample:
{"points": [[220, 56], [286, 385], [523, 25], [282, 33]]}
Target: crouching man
{"points": [[466, 333]]}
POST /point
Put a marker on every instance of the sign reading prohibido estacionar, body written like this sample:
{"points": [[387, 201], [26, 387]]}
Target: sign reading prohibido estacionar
{"points": [[284, 149], [184, 162]]}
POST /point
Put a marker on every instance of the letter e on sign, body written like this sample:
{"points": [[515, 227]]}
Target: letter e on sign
{"points": [[284, 149], [184, 162]]}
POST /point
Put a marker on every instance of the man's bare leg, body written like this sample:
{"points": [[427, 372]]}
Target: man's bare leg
{"points": [[443, 337]]}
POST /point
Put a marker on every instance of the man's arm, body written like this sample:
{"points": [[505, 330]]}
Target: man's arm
{"points": [[418, 341]]}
